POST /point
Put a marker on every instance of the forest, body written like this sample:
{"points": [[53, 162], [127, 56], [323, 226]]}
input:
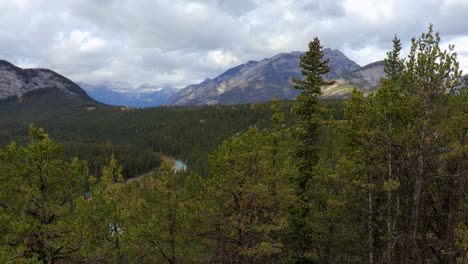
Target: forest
{"points": [[137, 136], [379, 178]]}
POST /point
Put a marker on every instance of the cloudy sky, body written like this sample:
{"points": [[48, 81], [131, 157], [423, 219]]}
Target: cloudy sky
{"points": [[180, 42]]}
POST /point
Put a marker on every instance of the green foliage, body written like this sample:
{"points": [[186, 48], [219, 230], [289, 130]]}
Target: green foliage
{"points": [[106, 217], [36, 201], [305, 221], [138, 136], [462, 242], [407, 141], [248, 197], [135, 135], [133, 159], [167, 231], [310, 112]]}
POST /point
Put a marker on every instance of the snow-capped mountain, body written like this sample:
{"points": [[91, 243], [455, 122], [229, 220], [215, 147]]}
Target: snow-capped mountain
{"points": [[122, 93]]}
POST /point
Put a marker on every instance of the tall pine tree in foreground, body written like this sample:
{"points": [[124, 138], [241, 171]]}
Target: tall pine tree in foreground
{"points": [[313, 67]]}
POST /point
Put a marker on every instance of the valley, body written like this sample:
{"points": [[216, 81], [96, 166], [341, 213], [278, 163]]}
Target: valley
{"points": [[93, 131]]}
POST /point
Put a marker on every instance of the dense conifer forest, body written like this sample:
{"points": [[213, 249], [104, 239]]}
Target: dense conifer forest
{"points": [[379, 178], [138, 136]]}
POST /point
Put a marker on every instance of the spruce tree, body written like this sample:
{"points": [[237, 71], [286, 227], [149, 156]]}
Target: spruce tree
{"points": [[313, 67]]}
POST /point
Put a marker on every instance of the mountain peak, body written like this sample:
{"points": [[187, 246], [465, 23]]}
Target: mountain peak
{"points": [[257, 81], [16, 82]]}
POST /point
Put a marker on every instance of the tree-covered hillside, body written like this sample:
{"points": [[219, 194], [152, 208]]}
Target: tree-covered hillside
{"points": [[93, 131]]}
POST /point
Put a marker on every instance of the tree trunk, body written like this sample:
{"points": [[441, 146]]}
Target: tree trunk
{"points": [[370, 227], [389, 221], [418, 182], [389, 211]]}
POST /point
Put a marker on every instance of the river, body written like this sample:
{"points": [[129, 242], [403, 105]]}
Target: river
{"points": [[179, 165]]}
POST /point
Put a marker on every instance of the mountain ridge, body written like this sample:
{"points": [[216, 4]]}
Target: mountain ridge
{"points": [[250, 82], [258, 81]]}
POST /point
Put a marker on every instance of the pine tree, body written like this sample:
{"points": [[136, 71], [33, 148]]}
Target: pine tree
{"points": [[164, 226], [247, 199], [313, 68], [408, 140], [37, 196], [103, 225]]}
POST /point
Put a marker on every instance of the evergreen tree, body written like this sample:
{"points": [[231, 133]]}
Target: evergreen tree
{"points": [[167, 230], [247, 200], [313, 67], [37, 196], [408, 141], [105, 218]]}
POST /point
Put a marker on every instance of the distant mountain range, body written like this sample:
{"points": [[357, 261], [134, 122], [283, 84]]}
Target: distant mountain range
{"points": [[254, 81], [121, 93]]}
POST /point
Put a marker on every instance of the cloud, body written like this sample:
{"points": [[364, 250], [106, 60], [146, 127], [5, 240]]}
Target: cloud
{"points": [[225, 59], [86, 42], [184, 41]]}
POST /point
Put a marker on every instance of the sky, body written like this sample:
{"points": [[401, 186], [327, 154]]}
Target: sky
{"points": [[180, 42]]}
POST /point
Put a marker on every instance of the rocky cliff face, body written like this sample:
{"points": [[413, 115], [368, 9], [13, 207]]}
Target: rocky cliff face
{"points": [[16, 82], [366, 79], [258, 81]]}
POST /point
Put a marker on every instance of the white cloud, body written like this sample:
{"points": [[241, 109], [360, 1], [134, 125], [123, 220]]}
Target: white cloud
{"points": [[371, 11], [367, 54], [86, 42], [222, 58]]}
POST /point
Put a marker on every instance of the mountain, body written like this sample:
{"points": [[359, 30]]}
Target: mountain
{"points": [[257, 81], [366, 79], [122, 93], [37, 96], [16, 83]]}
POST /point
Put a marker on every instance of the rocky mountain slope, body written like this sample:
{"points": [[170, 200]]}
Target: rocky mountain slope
{"points": [[121, 93], [16, 82], [257, 81], [366, 79]]}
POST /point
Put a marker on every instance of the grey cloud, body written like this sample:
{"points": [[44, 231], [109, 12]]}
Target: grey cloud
{"points": [[324, 8], [168, 25], [238, 7], [183, 41]]}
